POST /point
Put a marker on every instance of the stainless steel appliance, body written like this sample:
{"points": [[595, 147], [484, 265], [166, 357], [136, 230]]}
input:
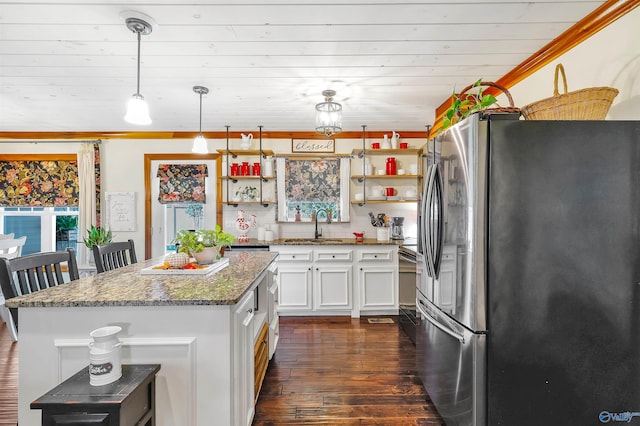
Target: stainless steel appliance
{"points": [[529, 272], [407, 288], [397, 228]]}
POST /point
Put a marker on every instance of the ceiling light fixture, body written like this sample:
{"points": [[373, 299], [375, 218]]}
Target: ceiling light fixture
{"points": [[200, 143], [137, 109], [328, 115]]}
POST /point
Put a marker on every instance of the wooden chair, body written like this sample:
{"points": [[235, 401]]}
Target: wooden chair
{"points": [[35, 272], [114, 255], [11, 248]]}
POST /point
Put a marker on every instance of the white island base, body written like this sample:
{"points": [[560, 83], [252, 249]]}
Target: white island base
{"points": [[194, 344]]}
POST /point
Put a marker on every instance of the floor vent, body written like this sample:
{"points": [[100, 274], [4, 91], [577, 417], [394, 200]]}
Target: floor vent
{"points": [[380, 320]]}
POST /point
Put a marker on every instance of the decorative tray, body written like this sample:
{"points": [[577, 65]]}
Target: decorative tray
{"points": [[200, 269]]}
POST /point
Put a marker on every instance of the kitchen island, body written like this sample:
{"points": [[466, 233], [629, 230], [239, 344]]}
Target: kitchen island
{"points": [[199, 328]]}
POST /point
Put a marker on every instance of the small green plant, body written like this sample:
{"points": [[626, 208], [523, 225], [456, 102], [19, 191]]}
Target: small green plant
{"points": [[97, 235], [196, 241], [465, 104]]}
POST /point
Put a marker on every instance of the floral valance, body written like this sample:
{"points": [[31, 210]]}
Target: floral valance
{"points": [[38, 183], [312, 180], [182, 183]]}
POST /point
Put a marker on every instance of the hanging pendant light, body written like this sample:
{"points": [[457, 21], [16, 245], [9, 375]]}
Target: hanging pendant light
{"points": [[200, 143], [137, 109], [328, 115]]}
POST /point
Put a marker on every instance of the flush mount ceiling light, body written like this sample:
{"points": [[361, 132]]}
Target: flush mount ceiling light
{"points": [[137, 109], [328, 115], [200, 143]]}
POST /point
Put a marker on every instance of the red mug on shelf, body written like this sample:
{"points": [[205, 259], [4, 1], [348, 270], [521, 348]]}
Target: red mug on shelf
{"points": [[404, 145], [375, 145], [244, 170], [235, 169], [390, 192]]}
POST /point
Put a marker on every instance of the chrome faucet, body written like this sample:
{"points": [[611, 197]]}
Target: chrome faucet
{"points": [[318, 234]]}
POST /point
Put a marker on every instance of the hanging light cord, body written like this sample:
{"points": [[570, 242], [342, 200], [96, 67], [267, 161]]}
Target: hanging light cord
{"points": [[138, 80], [200, 113]]}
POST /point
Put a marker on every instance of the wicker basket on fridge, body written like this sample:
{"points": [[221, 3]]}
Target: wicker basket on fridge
{"points": [[585, 104]]}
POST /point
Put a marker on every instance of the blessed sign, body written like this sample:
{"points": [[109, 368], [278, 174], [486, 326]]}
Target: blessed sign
{"points": [[313, 145]]}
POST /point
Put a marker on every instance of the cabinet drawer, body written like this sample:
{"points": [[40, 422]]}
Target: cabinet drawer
{"points": [[294, 256], [333, 255], [376, 255]]}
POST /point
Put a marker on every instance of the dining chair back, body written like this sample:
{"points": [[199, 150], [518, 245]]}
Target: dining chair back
{"points": [[11, 248], [114, 255], [34, 272]]}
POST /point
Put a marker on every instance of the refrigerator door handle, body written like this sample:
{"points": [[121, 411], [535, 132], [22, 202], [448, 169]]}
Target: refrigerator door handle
{"points": [[442, 327], [438, 195], [426, 223]]}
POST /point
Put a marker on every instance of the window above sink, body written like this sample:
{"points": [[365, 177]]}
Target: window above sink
{"points": [[308, 185]]}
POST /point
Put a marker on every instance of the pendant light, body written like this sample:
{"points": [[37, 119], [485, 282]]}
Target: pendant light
{"points": [[137, 109], [200, 143], [328, 115]]}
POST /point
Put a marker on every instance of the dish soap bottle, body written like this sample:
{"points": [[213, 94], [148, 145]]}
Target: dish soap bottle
{"points": [[298, 218]]}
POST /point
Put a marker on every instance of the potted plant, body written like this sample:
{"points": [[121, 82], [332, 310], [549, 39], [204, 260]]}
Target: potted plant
{"points": [[205, 245], [97, 235], [464, 104]]}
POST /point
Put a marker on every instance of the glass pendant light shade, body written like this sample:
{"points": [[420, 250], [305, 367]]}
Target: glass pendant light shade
{"points": [[200, 145], [137, 111], [328, 115]]}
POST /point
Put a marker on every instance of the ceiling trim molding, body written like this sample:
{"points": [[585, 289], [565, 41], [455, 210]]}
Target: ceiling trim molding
{"points": [[600, 18], [70, 136]]}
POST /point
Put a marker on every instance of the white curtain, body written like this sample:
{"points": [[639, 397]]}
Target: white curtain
{"points": [[87, 197]]}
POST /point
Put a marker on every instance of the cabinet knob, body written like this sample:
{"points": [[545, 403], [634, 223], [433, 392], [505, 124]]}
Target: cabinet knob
{"points": [[333, 256], [316, 269], [250, 310], [293, 257]]}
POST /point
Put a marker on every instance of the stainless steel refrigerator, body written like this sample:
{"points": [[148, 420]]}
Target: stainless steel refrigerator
{"points": [[528, 279]]}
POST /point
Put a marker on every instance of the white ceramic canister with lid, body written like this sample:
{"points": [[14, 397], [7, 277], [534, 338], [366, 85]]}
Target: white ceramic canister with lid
{"points": [[105, 357]]}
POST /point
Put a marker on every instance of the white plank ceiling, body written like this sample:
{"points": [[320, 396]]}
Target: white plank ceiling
{"points": [[71, 65]]}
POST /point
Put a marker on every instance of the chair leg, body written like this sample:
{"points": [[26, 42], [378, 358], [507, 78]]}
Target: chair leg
{"points": [[6, 316]]}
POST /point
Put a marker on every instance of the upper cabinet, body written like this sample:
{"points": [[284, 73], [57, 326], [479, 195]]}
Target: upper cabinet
{"points": [[386, 175]]}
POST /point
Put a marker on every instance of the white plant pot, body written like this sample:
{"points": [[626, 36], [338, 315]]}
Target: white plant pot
{"points": [[207, 256]]}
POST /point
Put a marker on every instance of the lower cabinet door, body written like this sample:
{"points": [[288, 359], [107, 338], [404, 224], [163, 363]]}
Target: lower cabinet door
{"points": [[378, 287], [294, 288], [333, 287]]}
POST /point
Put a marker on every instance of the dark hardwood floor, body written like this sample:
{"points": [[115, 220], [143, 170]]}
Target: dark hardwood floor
{"points": [[8, 378], [343, 371], [330, 370]]}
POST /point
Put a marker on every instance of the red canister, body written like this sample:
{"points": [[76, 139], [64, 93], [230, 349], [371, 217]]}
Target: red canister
{"points": [[235, 169], [256, 169], [244, 170], [391, 166]]}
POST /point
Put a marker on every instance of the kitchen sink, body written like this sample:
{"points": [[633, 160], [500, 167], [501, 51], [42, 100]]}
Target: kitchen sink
{"points": [[313, 240]]}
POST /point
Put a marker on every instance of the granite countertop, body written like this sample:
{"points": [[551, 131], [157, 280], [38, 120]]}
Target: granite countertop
{"points": [[320, 241], [128, 287]]}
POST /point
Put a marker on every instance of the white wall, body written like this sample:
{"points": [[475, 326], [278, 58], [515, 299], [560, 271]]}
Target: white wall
{"points": [[609, 58]]}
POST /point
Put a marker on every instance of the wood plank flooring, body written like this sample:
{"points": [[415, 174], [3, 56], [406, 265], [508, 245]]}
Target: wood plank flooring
{"points": [[343, 371], [331, 371], [8, 378]]}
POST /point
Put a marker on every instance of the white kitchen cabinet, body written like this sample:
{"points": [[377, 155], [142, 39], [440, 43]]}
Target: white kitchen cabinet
{"points": [[332, 285], [337, 280], [295, 288], [378, 280], [272, 306], [313, 279], [243, 361]]}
